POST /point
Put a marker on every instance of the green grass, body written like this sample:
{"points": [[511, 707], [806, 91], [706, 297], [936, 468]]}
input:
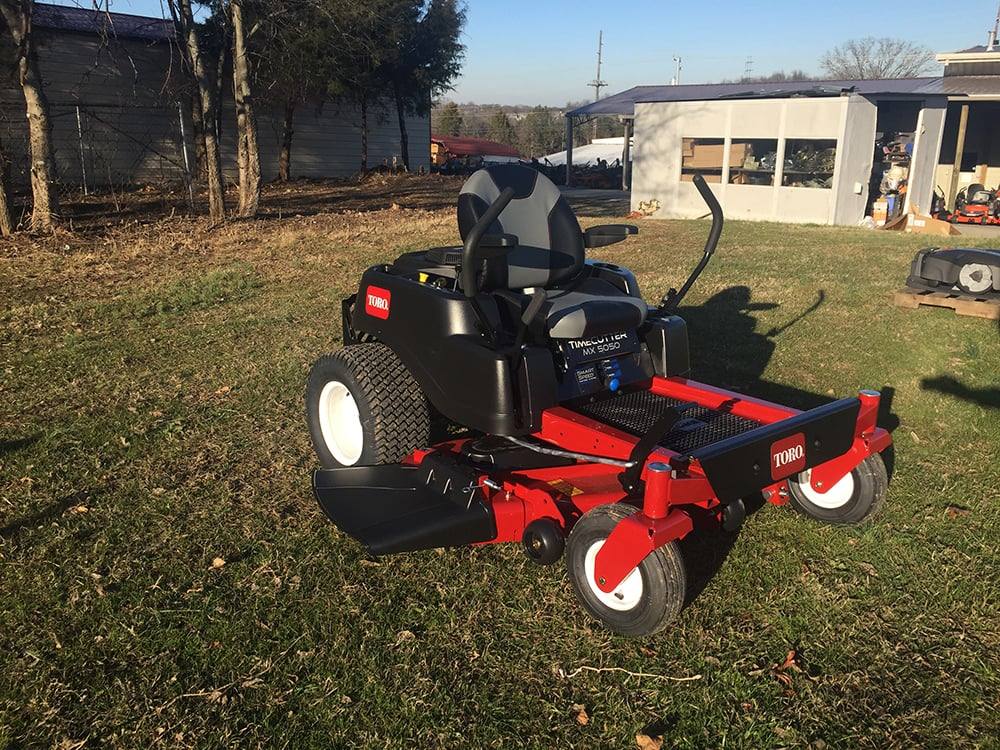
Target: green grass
{"points": [[151, 421]]}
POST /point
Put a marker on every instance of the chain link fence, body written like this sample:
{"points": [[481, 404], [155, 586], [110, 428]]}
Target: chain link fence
{"points": [[105, 148]]}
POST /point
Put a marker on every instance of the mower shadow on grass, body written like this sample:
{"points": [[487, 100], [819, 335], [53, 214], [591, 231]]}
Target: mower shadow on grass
{"points": [[706, 552], [727, 349]]}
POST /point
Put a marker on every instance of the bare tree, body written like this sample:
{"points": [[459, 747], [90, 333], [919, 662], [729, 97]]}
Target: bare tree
{"points": [[871, 58], [248, 154], [183, 17], [45, 205]]}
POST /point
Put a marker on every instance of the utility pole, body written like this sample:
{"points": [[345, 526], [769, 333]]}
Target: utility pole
{"points": [[991, 45], [677, 73], [748, 68], [597, 84]]}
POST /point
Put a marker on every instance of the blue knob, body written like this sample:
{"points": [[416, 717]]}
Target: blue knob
{"points": [[614, 384]]}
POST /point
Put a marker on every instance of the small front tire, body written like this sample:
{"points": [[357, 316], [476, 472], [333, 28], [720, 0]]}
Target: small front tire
{"points": [[854, 499], [649, 598]]}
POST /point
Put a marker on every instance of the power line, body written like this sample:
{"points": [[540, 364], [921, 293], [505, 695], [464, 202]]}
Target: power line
{"points": [[748, 67]]}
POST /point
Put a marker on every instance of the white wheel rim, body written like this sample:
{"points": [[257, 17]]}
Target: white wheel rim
{"points": [[976, 277], [629, 592], [836, 497], [340, 423]]}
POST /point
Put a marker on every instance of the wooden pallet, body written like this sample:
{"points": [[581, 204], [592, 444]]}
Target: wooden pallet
{"points": [[962, 305]]}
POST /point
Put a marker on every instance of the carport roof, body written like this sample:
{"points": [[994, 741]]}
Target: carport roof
{"points": [[624, 102]]}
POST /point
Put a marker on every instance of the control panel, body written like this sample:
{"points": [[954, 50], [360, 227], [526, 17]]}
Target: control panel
{"points": [[604, 363]]}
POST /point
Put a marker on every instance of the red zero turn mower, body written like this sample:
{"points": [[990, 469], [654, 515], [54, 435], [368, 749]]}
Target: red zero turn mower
{"points": [[977, 204], [581, 429]]}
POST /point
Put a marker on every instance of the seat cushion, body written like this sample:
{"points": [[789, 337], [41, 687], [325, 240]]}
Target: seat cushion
{"points": [[594, 308], [550, 244]]}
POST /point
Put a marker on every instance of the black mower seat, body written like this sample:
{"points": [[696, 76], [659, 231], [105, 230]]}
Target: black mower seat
{"points": [[594, 308], [549, 254]]}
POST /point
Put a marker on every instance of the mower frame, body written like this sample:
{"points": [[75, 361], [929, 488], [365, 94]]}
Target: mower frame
{"points": [[678, 491]]}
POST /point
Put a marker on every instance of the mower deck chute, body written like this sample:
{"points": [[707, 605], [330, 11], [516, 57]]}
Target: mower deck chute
{"points": [[578, 432]]}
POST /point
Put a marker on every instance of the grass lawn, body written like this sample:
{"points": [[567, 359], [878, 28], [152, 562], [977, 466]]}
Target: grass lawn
{"points": [[167, 580]]}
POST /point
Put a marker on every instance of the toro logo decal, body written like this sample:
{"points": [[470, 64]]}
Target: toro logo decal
{"points": [[788, 456], [377, 302]]}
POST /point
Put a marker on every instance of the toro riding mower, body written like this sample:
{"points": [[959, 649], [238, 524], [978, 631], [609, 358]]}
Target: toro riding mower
{"points": [[977, 204], [575, 429]]}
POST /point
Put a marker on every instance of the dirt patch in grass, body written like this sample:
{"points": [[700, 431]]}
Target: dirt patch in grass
{"points": [[151, 425]]}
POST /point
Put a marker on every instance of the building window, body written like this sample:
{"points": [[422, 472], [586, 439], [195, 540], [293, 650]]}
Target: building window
{"points": [[702, 156], [752, 161], [809, 163]]}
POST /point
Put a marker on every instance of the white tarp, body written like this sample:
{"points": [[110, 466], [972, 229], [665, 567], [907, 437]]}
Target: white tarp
{"points": [[608, 149]]}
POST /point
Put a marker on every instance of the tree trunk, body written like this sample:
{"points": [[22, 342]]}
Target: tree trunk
{"points": [[198, 123], [45, 203], [220, 80], [6, 224], [287, 131], [364, 135], [404, 140], [246, 126], [206, 97]]}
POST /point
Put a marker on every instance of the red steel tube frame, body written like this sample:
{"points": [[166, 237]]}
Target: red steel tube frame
{"points": [[563, 494], [662, 519]]}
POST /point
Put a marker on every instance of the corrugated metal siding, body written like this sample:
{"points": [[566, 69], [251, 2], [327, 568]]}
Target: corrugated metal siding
{"points": [[127, 93]]}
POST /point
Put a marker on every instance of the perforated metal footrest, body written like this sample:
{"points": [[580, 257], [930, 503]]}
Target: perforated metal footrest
{"points": [[636, 412]]}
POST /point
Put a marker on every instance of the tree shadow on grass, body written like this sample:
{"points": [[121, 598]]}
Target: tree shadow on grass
{"points": [[14, 528], [988, 398], [12, 446]]}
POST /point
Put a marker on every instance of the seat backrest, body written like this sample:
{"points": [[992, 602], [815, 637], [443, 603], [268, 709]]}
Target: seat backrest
{"points": [[550, 249]]}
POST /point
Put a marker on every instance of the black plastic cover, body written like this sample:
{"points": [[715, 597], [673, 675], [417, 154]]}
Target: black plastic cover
{"points": [[667, 340], [741, 465], [392, 508], [933, 267]]}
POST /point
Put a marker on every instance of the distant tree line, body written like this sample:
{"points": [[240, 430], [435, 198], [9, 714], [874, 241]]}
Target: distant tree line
{"points": [[534, 131], [396, 54]]}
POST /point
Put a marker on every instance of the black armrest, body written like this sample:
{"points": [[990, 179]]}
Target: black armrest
{"points": [[608, 234], [495, 245]]}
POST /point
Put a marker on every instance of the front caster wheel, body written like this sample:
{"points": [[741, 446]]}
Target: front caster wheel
{"points": [[649, 598], [852, 500]]}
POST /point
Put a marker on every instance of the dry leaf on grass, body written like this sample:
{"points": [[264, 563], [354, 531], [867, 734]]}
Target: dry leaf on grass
{"points": [[217, 562], [405, 635], [645, 742], [581, 714], [781, 671], [956, 511]]}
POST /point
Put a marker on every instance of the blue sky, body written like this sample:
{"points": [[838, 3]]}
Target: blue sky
{"points": [[544, 51]]}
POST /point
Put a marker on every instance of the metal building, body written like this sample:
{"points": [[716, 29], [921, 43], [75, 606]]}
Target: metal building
{"points": [[806, 151], [120, 110]]}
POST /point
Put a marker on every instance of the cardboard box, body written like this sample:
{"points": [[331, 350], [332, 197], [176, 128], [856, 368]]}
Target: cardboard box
{"points": [[709, 156], [880, 212]]}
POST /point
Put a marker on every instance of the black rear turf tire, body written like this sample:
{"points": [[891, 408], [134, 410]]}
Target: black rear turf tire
{"points": [[664, 583], [870, 481], [392, 410]]}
